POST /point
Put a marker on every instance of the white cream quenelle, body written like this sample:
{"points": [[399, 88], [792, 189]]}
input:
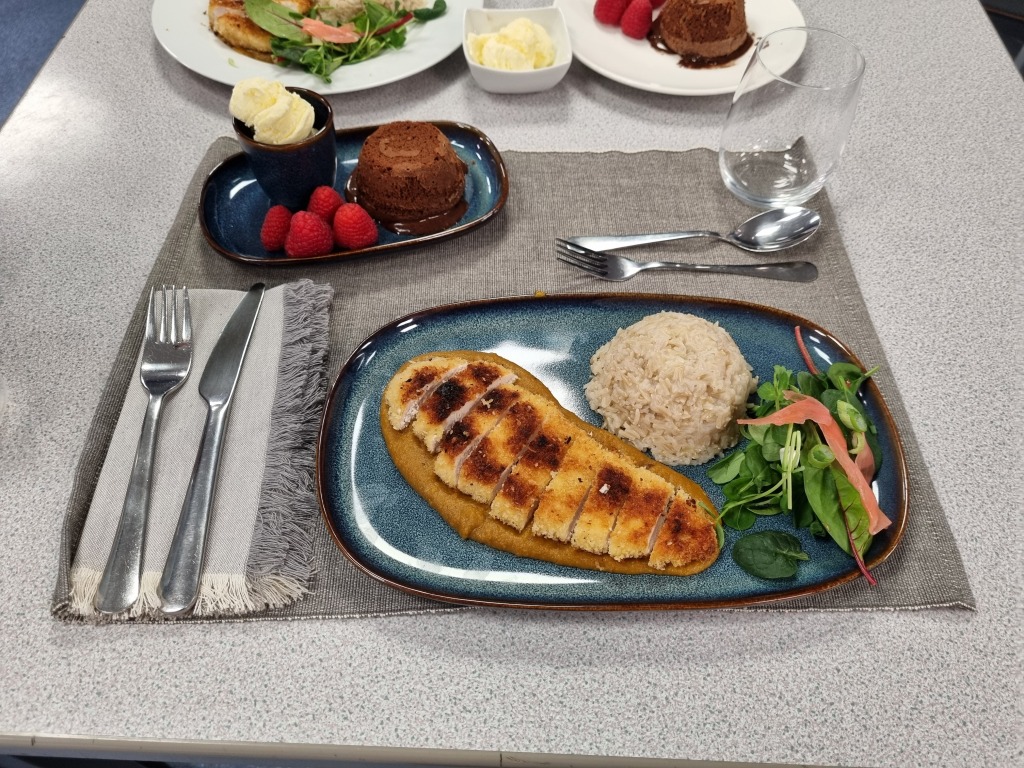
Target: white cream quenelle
{"points": [[275, 115]]}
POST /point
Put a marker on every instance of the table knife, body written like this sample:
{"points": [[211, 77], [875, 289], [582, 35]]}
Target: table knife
{"points": [[179, 584]]}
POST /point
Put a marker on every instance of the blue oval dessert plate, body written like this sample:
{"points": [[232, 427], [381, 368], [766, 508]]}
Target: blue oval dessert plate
{"points": [[232, 206], [382, 524]]}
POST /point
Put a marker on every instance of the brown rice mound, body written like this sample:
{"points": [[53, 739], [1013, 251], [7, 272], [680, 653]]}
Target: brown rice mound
{"points": [[672, 384]]}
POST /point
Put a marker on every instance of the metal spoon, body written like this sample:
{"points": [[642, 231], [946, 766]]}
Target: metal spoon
{"points": [[768, 231]]}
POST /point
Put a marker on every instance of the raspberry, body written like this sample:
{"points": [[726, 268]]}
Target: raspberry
{"points": [[353, 227], [275, 227], [636, 21], [324, 202], [308, 236], [610, 11]]}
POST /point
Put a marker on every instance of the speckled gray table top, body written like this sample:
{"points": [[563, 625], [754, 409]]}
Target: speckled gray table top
{"points": [[930, 201]]}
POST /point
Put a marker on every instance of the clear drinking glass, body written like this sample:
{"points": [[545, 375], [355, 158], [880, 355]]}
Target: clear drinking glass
{"points": [[790, 116]]}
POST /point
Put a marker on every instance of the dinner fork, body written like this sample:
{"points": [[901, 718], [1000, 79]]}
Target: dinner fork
{"points": [[166, 362], [611, 266]]}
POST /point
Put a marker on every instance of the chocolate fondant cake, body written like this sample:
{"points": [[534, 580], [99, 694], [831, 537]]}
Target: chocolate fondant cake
{"points": [[708, 29], [408, 171]]}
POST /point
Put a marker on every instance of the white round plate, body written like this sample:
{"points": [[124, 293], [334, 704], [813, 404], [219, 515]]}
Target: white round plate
{"points": [[182, 28], [608, 52]]}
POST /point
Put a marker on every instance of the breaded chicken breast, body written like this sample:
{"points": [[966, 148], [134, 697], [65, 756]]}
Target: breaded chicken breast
{"points": [[229, 21], [517, 459]]}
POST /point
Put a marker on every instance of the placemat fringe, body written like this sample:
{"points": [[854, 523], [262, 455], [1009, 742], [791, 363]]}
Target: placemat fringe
{"points": [[84, 583], [280, 564]]}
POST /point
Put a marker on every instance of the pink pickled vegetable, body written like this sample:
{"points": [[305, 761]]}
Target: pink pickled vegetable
{"points": [[803, 351], [346, 33], [865, 462]]}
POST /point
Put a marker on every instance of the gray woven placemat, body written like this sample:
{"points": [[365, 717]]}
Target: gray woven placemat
{"points": [[554, 194]]}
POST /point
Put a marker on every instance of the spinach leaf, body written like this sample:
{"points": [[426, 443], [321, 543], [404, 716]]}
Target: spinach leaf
{"points": [[809, 384], [801, 512], [757, 432], [276, 19], [737, 488], [845, 377], [768, 507], [771, 447], [820, 489], [761, 474], [831, 398], [727, 469], [769, 554], [739, 518], [856, 515]]}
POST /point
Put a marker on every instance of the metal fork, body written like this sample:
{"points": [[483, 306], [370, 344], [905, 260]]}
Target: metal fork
{"points": [[166, 362], [611, 266]]}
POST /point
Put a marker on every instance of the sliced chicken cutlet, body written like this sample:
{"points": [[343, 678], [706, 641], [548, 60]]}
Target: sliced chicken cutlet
{"points": [[414, 383], [565, 495], [490, 463], [465, 434], [613, 482], [533, 467], [641, 515], [686, 536], [454, 398], [229, 21], [519, 493]]}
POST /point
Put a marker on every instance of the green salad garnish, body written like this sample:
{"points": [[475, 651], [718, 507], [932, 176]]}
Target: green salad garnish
{"points": [[320, 48], [812, 451]]}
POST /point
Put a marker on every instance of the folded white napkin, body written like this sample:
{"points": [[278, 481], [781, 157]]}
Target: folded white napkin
{"points": [[258, 552]]}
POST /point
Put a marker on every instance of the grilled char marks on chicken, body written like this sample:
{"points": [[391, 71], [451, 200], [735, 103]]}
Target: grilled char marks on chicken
{"points": [[404, 394], [454, 398], [542, 472], [683, 536], [519, 494], [612, 484], [640, 517], [487, 466], [465, 434], [563, 499]]}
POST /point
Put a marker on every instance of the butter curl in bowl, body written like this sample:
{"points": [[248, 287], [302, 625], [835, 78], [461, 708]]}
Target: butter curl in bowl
{"points": [[521, 50]]}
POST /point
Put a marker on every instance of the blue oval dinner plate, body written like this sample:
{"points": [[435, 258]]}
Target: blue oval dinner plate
{"points": [[390, 532], [232, 205]]}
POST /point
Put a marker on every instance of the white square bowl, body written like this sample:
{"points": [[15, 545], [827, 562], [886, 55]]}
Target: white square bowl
{"points": [[480, 21]]}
